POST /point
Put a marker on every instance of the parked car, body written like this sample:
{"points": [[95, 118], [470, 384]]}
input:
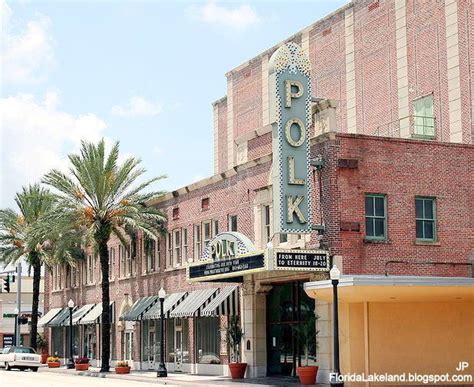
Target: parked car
{"points": [[20, 357]]}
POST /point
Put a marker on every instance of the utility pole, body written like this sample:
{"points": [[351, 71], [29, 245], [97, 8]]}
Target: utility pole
{"points": [[18, 302]]}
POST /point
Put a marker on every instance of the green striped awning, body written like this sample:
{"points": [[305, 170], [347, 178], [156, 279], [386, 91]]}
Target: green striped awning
{"points": [[60, 318], [226, 303], [52, 313], [139, 308], [194, 303], [171, 302], [79, 314]]}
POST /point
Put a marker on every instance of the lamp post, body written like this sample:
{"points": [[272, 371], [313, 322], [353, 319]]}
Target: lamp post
{"points": [[162, 372], [16, 340], [335, 274], [70, 362]]}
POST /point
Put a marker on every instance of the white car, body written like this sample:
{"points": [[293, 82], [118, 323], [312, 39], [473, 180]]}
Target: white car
{"points": [[20, 357]]}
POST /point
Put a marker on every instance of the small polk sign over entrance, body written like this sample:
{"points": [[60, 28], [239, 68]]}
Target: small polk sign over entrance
{"points": [[290, 114]]}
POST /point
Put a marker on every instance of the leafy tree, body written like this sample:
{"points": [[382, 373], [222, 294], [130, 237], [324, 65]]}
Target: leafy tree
{"points": [[99, 198], [17, 241]]}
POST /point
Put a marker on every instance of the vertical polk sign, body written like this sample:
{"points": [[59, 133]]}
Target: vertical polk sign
{"points": [[290, 115]]}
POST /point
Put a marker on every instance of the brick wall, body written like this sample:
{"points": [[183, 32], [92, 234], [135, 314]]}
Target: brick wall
{"points": [[377, 66]]}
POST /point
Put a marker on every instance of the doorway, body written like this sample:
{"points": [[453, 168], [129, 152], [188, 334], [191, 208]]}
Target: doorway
{"points": [[288, 308], [178, 359]]}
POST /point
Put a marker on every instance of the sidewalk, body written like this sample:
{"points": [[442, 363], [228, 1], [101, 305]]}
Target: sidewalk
{"points": [[180, 379]]}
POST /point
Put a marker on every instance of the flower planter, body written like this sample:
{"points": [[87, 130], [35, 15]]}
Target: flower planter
{"points": [[44, 358], [237, 370], [308, 374], [122, 370], [81, 367], [54, 364]]}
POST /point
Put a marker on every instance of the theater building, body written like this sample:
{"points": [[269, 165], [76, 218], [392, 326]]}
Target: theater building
{"points": [[349, 143]]}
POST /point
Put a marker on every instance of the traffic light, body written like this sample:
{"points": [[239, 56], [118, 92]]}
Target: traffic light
{"points": [[22, 320], [6, 284]]}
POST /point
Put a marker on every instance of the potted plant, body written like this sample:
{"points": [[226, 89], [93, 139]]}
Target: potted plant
{"points": [[53, 362], [81, 364], [42, 345], [122, 367], [306, 334], [235, 335]]}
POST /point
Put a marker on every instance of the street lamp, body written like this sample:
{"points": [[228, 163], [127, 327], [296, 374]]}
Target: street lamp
{"points": [[335, 274], [70, 362], [16, 340], [161, 367]]}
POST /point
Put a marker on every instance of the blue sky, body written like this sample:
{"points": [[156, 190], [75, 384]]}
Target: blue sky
{"points": [[141, 72]]}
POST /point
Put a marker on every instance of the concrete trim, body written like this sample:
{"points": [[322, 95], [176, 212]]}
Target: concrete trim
{"points": [[380, 280]]}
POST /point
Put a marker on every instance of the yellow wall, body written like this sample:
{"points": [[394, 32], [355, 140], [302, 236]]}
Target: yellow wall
{"points": [[423, 338], [429, 338]]}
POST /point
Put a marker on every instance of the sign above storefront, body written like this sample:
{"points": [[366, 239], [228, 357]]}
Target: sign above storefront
{"points": [[313, 260], [229, 254], [290, 115]]}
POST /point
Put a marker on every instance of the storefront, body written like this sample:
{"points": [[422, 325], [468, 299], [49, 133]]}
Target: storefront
{"points": [[397, 325]]}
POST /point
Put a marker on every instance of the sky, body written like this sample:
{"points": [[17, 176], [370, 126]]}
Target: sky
{"points": [[143, 73]]}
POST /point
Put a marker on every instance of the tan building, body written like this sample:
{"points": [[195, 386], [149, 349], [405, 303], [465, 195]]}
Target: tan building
{"points": [[7, 310]]}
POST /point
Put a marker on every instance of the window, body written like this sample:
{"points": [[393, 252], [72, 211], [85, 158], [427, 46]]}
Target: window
{"points": [[267, 234], [177, 246], [423, 116], [215, 227], [284, 238], [122, 259], [208, 340], [175, 213], [205, 204], [111, 262], [149, 250], [169, 251], [197, 241], [90, 269], [232, 222], [206, 229], [375, 217], [158, 252], [425, 209], [185, 244]]}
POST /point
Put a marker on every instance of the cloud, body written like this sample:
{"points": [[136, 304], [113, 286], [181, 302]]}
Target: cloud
{"points": [[37, 136], [137, 107], [238, 18], [27, 54]]}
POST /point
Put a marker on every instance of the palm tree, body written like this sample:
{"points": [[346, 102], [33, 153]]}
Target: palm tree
{"points": [[101, 198], [16, 239]]}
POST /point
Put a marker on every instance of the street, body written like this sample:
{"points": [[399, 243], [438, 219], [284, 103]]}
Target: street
{"points": [[62, 377]]}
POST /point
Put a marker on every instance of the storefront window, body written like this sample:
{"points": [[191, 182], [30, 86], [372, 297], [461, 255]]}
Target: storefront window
{"points": [[57, 339], [208, 340], [90, 341], [170, 353]]}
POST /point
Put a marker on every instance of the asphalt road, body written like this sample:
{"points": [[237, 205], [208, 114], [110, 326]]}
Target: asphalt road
{"points": [[17, 378]]}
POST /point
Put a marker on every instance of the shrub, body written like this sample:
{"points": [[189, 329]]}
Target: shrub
{"points": [[82, 360], [52, 359], [122, 364]]}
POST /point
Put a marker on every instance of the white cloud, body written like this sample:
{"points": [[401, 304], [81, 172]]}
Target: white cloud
{"points": [[27, 54], [137, 107], [237, 18], [36, 136]]}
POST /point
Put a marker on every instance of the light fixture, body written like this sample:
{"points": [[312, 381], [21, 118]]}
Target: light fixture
{"points": [[70, 303], [335, 273], [162, 294]]}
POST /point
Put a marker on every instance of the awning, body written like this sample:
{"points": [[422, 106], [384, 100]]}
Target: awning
{"points": [[194, 303], [48, 316], [225, 303], [380, 288], [170, 303], [94, 315], [79, 314], [59, 319], [140, 306]]}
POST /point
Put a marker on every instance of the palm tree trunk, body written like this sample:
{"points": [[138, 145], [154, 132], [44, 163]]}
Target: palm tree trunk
{"points": [[34, 260], [102, 237]]}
